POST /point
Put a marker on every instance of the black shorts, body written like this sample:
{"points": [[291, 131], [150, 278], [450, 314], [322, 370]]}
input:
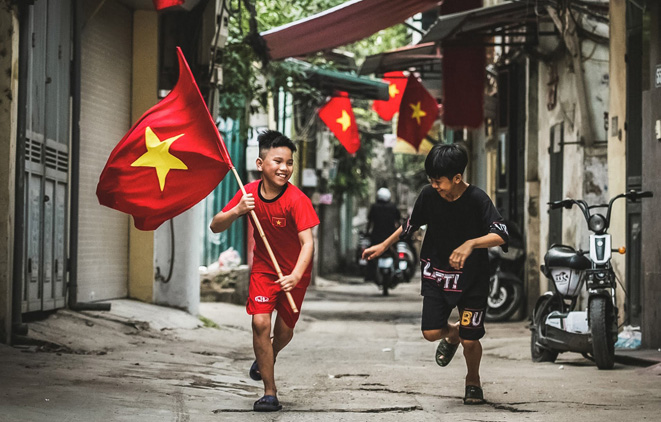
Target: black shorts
{"points": [[436, 311]]}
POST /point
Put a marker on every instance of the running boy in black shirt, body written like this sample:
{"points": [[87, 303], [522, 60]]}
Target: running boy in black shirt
{"points": [[461, 223]]}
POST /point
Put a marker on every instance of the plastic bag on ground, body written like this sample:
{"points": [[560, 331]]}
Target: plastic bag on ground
{"points": [[629, 338], [229, 258]]}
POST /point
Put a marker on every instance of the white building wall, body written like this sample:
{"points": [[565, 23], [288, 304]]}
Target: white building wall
{"points": [[183, 289], [585, 168]]}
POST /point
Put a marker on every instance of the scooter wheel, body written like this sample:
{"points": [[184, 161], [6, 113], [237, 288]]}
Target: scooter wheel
{"points": [[603, 346]]}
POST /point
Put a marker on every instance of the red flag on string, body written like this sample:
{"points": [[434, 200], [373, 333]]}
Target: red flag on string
{"points": [[396, 87], [170, 160], [338, 116], [164, 4], [417, 113]]}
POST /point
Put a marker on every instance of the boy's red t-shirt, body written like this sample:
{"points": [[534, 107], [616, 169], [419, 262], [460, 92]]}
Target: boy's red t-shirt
{"points": [[282, 218]]}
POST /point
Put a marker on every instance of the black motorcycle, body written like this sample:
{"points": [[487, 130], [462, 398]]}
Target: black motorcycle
{"points": [[394, 266], [505, 278], [556, 325]]}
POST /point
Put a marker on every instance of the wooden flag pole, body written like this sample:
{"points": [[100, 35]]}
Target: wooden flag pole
{"points": [[266, 242]]}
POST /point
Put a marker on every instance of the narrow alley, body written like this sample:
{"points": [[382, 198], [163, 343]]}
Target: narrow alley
{"points": [[356, 356]]}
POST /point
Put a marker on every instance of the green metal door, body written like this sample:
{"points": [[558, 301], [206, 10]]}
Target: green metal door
{"points": [[44, 160], [235, 236]]}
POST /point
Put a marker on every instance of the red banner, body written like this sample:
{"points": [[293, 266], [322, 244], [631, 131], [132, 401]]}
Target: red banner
{"points": [[164, 4], [463, 70]]}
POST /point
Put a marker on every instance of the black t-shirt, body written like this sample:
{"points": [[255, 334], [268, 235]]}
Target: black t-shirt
{"points": [[449, 225], [384, 218]]}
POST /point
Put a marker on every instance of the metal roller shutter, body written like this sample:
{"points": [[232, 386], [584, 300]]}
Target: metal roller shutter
{"points": [[105, 118]]}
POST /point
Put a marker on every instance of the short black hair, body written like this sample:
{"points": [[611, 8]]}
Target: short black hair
{"points": [[273, 139], [446, 160]]}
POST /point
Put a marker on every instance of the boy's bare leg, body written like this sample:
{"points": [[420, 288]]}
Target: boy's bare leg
{"points": [[261, 343], [473, 355], [449, 332], [282, 335]]}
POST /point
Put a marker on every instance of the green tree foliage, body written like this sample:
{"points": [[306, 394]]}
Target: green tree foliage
{"points": [[241, 65], [247, 82]]}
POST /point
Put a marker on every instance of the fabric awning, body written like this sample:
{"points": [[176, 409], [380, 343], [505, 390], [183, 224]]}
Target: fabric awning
{"points": [[329, 81], [341, 25], [471, 25], [504, 19], [427, 56]]}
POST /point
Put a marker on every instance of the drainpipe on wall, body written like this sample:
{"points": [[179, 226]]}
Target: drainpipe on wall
{"points": [[75, 168]]}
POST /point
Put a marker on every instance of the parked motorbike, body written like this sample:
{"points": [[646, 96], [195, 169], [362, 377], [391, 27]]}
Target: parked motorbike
{"points": [[556, 325], [505, 280], [396, 265]]}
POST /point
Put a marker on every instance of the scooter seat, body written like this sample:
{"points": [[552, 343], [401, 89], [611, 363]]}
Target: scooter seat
{"points": [[561, 256]]}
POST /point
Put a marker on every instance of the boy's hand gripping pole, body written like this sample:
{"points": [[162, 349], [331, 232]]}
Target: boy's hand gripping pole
{"points": [[266, 242]]}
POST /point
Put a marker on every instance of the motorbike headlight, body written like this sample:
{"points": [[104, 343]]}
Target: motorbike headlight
{"points": [[597, 223]]}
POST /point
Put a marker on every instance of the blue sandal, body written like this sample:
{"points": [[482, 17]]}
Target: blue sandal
{"points": [[445, 352], [267, 404], [254, 372]]}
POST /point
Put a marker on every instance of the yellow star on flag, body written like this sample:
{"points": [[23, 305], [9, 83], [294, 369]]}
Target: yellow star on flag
{"points": [[392, 90], [417, 112], [158, 156], [278, 222], [345, 121]]}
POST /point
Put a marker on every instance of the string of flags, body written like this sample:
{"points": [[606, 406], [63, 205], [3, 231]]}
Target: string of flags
{"points": [[417, 108]]}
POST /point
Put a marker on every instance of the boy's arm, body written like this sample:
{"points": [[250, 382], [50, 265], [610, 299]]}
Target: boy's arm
{"points": [[376, 250], [459, 255], [290, 281], [223, 220]]}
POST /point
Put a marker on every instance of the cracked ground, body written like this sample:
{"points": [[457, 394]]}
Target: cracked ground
{"points": [[355, 356]]}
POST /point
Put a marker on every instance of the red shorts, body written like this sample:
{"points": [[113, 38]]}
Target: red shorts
{"points": [[265, 295]]}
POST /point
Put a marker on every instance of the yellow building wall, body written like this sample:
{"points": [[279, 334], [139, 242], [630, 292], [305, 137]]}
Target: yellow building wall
{"points": [[616, 133], [144, 96], [8, 122]]}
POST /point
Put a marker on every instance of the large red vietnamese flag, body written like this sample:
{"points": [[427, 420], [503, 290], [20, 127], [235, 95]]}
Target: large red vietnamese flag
{"points": [[170, 160], [417, 113], [396, 87], [338, 116]]}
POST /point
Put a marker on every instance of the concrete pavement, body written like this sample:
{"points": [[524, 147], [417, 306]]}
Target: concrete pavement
{"points": [[356, 356]]}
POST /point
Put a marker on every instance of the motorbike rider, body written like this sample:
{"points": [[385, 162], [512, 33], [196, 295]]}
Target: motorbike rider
{"points": [[383, 218]]}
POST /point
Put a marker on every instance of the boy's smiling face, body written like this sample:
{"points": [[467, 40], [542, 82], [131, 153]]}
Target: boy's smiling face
{"points": [[276, 166], [449, 189]]}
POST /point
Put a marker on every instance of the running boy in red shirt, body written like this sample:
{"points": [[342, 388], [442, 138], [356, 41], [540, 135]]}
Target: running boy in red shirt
{"points": [[287, 217]]}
